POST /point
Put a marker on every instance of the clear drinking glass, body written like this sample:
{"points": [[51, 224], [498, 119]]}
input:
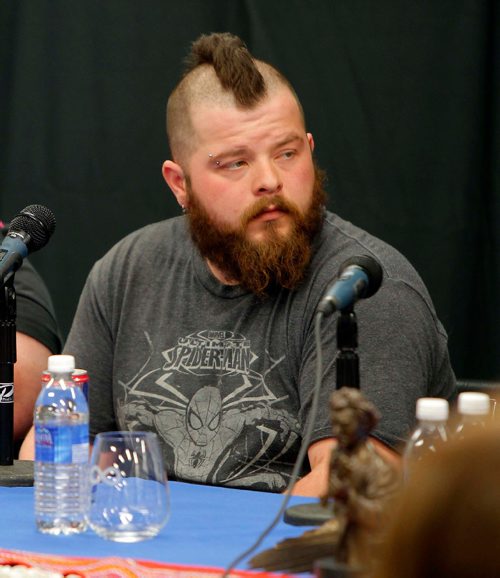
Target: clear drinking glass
{"points": [[129, 490]]}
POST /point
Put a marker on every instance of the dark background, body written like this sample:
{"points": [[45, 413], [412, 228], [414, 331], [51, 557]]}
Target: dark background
{"points": [[401, 96]]}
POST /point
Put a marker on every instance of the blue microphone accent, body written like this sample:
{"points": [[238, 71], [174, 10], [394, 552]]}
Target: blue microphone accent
{"points": [[359, 277], [12, 252]]}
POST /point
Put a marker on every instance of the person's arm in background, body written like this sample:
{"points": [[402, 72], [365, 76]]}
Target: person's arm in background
{"points": [[37, 337], [27, 450], [31, 361]]}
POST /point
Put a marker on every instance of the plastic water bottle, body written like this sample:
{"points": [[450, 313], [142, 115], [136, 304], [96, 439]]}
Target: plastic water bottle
{"points": [[61, 452], [430, 433], [473, 412]]}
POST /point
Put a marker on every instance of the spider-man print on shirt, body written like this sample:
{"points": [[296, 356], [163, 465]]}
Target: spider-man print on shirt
{"points": [[219, 418]]}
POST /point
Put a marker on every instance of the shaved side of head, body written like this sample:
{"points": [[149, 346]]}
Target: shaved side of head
{"points": [[220, 71]]}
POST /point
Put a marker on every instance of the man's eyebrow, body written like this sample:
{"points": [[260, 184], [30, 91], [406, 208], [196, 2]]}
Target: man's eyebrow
{"points": [[289, 139], [241, 150], [229, 152]]}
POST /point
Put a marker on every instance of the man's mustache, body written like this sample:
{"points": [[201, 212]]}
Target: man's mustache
{"points": [[262, 205]]}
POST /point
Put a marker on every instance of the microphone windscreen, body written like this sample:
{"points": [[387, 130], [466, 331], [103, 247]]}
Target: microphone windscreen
{"points": [[36, 220], [371, 267]]}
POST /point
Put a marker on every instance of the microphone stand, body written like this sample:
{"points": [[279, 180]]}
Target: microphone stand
{"points": [[7, 360], [347, 343], [314, 514], [347, 376], [12, 472]]}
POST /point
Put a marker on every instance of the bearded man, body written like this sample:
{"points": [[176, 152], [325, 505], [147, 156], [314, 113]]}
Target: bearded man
{"points": [[201, 327]]}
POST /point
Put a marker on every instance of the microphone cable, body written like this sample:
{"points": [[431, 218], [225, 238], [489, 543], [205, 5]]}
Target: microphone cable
{"points": [[302, 452]]}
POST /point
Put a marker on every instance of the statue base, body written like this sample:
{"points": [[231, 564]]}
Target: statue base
{"points": [[330, 568], [313, 514]]}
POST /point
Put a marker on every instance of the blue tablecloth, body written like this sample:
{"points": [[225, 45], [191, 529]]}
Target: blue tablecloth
{"points": [[208, 526]]}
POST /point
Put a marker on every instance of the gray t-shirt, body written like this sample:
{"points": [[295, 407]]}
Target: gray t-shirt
{"points": [[225, 378]]}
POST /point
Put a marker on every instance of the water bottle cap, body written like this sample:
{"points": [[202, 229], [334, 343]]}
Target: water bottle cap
{"points": [[432, 408], [61, 363], [474, 403]]}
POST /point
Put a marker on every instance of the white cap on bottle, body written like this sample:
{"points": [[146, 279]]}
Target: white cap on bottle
{"points": [[432, 408], [61, 363], [474, 403]]}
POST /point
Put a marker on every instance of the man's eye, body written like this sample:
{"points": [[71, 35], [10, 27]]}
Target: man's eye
{"points": [[287, 155], [234, 165]]}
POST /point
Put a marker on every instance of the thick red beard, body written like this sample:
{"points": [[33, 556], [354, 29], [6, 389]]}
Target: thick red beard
{"points": [[279, 260]]}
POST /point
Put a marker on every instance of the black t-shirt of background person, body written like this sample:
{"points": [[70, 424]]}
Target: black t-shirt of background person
{"points": [[35, 311]]}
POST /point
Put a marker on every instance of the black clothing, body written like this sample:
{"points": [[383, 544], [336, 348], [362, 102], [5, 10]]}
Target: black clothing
{"points": [[35, 311]]}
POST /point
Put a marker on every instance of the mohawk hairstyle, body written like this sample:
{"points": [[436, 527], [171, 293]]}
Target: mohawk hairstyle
{"points": [[233, 64], [219, 69]]}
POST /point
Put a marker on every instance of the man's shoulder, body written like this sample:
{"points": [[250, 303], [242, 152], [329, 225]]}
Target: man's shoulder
{"points": [[155, 233], [167, 235], [150, 249], [342, 240]]}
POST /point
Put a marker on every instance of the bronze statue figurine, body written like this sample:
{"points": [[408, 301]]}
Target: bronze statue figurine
{"points": [[361, 485]]}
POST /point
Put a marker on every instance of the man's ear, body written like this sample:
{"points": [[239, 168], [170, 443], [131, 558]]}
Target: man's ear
{"points": [[310, 139], [176, 180]]}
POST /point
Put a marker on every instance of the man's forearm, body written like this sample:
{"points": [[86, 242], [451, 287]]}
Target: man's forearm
{"points": [[315, 483]]}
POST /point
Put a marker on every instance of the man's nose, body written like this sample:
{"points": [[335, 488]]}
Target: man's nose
{"points": [[266, 178]]}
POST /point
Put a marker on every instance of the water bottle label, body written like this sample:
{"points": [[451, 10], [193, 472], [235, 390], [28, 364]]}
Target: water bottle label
{"points": [[80, 445], [58, 444]]}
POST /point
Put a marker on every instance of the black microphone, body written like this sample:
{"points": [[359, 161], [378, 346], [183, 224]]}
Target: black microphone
{"points": [[359, 278], [29, 231]]}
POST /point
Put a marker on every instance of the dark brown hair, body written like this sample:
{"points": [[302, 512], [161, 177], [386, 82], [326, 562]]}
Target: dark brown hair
{"points": [[448, 520], [233, 64]]}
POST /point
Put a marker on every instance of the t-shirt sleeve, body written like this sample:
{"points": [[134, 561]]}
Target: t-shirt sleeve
{"points": [[35, 311], [90, 341]]}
